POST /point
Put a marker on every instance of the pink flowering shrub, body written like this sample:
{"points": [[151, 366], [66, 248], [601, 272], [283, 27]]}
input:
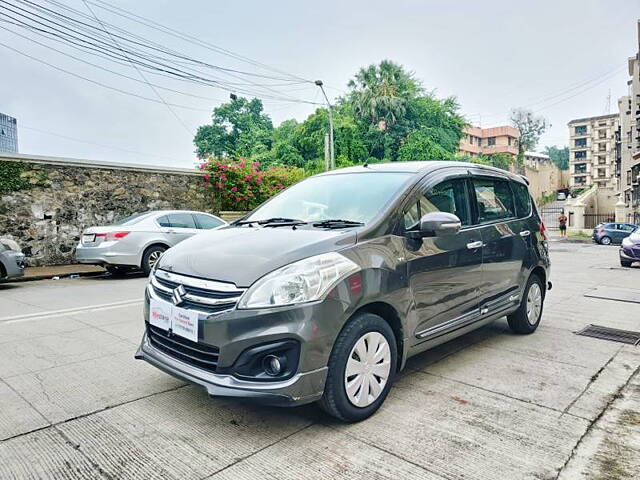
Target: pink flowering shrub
{"points": [[241, 184]]}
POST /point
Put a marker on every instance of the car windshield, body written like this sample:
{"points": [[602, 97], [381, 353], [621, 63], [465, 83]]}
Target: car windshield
{"points": [[131, 219], [357, 197]]}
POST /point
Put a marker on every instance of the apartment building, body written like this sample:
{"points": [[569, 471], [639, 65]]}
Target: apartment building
{"points": [[592, 151], [487, 141], [628, 158]]}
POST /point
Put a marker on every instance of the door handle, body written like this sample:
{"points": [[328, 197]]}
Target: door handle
{"points": [[474, 245], [525, 233]]}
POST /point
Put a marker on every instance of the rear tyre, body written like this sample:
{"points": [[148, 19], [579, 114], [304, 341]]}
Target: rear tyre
{"points": [[605, 240], [362, 368], [526, 318], [151, 257], [625, 263]]}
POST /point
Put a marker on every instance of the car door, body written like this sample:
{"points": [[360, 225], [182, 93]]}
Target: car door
{"points": [[504, 242], [444, 272], [179, 227]]}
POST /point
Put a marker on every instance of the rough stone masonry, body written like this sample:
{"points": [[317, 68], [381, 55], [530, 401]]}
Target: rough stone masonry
{"points": [[58, 198]]}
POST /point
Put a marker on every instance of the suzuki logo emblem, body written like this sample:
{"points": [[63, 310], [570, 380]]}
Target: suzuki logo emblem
{"points": [[178, 295]]}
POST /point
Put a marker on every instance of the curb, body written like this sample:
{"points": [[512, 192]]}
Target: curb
{"points": [[33, 278]]}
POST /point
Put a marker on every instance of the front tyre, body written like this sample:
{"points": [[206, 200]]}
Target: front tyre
{"points": [[605, 240], [625, 263], [526, 318], [362, 368]]}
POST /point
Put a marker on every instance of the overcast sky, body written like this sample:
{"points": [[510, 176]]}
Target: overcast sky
{"points": [[561, 58]]}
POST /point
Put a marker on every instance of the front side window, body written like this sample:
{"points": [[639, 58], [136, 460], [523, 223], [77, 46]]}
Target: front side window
{"points": [[494, 199], [450, 196], [358, 197], [522, 198]]}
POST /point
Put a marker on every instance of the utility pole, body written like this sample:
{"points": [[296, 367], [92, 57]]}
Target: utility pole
{"points": [[331, 148], [326, 152]]}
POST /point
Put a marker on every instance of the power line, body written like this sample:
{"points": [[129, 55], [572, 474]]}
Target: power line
{"points": [[95, 82], [73, 139], [100, 47], [141, 74]]}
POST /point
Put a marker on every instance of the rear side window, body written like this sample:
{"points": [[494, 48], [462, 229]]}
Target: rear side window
{"points": [[206, 222], [181, 220], [522, 198], [163, 221], [494, 198]]}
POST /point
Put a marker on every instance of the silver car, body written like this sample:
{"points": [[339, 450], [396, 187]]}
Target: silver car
{"points": [[11, 259], [139, 240]]}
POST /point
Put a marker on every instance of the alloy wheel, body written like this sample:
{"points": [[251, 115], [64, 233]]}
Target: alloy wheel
{"points": [[368, 369], [534, 303], [154, 257]]}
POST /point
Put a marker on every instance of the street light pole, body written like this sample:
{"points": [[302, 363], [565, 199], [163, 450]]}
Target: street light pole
{"points": [[331, 148]]}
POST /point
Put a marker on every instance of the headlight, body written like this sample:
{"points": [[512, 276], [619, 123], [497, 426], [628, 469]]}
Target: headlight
{"points": [[307, 280]]}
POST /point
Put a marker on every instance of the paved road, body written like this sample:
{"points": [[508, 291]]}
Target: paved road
{"points": [[75, 404]]}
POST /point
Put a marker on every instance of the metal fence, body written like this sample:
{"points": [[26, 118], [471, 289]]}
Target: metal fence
{"points": [[593, 219], [550, 217], [634, 218]]}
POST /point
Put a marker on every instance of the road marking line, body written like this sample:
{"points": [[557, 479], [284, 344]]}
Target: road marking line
{"points": [[58, 313]]}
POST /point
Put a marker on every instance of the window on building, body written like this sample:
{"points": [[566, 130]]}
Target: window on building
{"points": [[602, 147], [602, 159], [602, 133], [509, 139], [581, 130], [578, 155], [602, 173], [581, 143], [491, 141], [580, 180], [580, 168]]}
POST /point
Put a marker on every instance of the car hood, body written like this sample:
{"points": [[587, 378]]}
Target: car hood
{"points": [[242, 255]]}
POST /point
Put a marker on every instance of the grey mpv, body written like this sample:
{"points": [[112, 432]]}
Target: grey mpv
{"points": [[323, 292]]}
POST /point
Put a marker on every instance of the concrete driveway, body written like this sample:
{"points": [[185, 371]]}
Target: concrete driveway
{"points": [[75, 404]]}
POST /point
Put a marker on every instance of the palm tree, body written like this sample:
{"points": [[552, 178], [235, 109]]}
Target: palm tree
{"points": [[380, 93]]}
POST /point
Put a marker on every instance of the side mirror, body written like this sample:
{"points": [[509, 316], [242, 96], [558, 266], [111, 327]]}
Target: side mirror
{"points": [[435, 224]]}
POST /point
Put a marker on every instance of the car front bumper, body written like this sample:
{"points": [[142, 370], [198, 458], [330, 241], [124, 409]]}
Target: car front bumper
{"points": [[313, 327], [629, 256], [106, 254], [13, 263]]}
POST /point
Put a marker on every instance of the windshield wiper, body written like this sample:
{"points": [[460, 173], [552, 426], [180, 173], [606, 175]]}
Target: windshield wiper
{"points": [[337, 223], [273, 222]]}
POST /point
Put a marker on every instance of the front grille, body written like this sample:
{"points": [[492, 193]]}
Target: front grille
{"points": [[196, 354], [202, 295]]}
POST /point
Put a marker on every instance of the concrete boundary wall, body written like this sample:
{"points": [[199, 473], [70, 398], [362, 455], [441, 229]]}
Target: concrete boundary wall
{"points": [[63, 196]]}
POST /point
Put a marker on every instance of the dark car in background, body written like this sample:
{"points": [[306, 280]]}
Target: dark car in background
{"points": [[630, 249], [615, 232], [12, 260], [323, 292]]}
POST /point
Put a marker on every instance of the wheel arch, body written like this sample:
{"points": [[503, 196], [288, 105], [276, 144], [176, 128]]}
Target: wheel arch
{"points": [[390, 315], [542, 274], [156, 243]]}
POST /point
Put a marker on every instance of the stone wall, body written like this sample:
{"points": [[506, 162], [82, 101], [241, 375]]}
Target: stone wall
{"points": [[61, 197]]}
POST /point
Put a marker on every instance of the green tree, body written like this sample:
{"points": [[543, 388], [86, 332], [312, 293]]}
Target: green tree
{"points": [[530, 126], [380, 93], [238, 128], [559, 156]]}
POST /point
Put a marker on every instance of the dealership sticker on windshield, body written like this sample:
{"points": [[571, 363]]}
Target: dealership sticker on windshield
{"points": [[169, 317]]}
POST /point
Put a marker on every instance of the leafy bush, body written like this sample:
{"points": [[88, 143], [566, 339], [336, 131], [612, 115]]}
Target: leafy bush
{"points": [[11, 177], [242, 184]]}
